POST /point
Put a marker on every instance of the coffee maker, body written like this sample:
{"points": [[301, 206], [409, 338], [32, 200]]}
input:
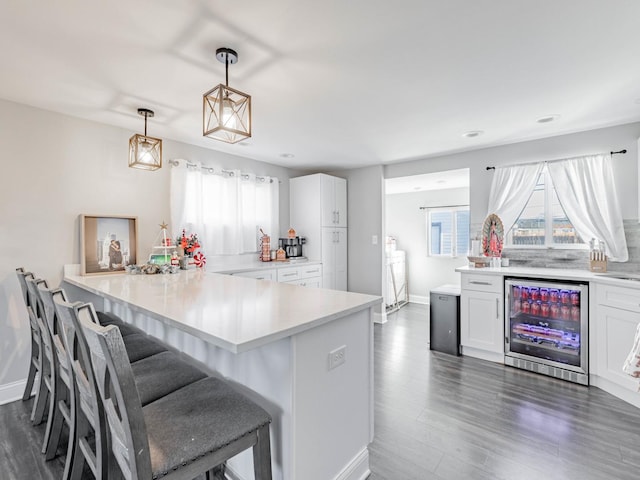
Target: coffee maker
{"points": [[292, 246]]}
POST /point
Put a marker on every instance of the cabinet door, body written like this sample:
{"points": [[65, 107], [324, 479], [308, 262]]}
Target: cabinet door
{"points": [[341, 259], [328, 201], [340, 196], [329, 258], [616, 331], [481, 324]]}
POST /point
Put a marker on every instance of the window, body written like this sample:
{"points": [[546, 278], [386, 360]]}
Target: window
{"points": [[448, 231], [543, 221]]}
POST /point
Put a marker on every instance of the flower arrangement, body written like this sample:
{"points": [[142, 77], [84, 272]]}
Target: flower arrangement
{"points": [[189, 243]]}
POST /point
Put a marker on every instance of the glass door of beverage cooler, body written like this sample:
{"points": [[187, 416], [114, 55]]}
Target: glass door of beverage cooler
{"points": [[546, 327]]}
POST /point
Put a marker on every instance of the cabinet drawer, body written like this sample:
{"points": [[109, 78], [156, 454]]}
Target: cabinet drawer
{"points": [[482, 282], [619, 297], [314, 282], [288, 274], [310, 271], [267, 274]]}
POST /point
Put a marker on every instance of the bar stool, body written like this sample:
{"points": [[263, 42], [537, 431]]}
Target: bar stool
{"points": [[180, 436], [154, 377], [34, 359]]}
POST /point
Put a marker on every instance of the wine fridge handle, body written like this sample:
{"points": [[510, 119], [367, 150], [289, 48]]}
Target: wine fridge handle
{"points": [[475, 282]]}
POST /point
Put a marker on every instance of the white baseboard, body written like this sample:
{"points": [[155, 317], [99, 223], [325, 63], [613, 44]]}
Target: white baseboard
{"points": [[11, 392], [421, 299], [380, 317], [622, 393], [358, 468]]}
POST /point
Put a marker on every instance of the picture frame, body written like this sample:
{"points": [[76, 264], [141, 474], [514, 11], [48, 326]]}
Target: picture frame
{"points": [[107, 243]]}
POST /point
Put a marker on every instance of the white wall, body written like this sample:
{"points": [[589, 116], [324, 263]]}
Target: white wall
{"points": [[365, 192], [407, 223], [563, 146], [55, 167]]}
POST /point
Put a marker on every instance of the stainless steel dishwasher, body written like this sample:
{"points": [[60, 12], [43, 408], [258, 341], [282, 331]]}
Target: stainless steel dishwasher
{"points": [[444, 319]]}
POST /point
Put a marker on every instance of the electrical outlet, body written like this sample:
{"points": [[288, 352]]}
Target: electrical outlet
{"points": [[337, 357]]}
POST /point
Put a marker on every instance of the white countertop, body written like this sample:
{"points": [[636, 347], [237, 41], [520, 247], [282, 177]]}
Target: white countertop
{"points": [[256, 265], [234, 313], [553, 273]]}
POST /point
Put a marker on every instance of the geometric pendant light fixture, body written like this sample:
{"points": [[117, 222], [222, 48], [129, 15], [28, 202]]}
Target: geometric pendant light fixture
{"points": [[226, 112], [145, 152]]}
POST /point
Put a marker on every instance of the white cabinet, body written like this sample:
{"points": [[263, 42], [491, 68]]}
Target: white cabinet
{"points": [[482, 316], [318, 208], [333, 201], [614, 327], [334, 258], [305, 276]]}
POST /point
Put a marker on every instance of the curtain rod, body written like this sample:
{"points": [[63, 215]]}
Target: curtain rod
{"points": [[619, 152], [444, 206], [176, 163]]}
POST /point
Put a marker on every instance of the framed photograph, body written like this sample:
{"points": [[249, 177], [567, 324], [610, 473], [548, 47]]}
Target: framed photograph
{"points": [[107, 243]]}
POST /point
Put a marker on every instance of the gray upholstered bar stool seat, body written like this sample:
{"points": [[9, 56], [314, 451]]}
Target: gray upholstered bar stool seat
{"points": [[182, 435], [154, 377]]}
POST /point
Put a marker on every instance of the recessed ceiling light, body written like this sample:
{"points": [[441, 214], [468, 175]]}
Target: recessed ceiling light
{"points": [[287, 155], [472, 133], [548, 118], [441, 182]]}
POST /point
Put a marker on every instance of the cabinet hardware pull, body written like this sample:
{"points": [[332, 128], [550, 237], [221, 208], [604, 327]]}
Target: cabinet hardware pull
{"points": [[259, 278], [338, 217], [288, 274], [497, 308], [475, 282]]}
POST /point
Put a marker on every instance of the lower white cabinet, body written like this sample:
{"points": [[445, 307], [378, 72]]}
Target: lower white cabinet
{"points": [[482, 317], [303, 275], [614, 327], [334, 258]]}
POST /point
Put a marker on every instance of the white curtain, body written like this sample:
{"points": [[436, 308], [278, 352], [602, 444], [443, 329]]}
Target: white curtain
{"points": [[226, 210], [587, 192], [510, 191]]}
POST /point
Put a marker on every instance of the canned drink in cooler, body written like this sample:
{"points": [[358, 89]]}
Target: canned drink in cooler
{"points": [[534, 293], [544, 294], [565, 312], [554, 310], [517, 306], [554, 295], [575, 313], [544, 310], [526, 307], [565, 297], [516, 291], [535, 308], [524, 293], [575, 297]]}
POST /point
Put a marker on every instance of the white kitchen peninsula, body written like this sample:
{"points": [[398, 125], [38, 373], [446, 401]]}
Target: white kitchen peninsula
{"points": [[274, 338]]}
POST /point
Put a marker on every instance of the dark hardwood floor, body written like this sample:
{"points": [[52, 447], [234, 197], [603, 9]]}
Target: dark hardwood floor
{"points": [[444, 417]]}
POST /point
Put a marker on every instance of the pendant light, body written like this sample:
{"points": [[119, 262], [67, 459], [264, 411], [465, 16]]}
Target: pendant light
{"points": [[145, 152], [226, 112]]}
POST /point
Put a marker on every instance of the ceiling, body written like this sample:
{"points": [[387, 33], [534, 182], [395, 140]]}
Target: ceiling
{"points": [[338, 84], [428, 182]]}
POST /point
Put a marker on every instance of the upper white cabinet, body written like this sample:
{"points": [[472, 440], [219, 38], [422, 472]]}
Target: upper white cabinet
{"points": [[333, 193], [318, 209]]}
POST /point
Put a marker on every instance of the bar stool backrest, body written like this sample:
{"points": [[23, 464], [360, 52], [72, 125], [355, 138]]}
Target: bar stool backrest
{"points": [[36, 317], [88, 403], [120, 399], [46, 298]]}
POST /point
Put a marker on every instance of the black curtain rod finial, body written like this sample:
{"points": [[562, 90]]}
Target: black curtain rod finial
{"points": [[619, 152], [491, 168]]}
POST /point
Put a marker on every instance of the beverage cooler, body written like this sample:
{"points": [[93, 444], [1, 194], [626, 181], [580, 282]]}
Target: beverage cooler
{"points": [[546, 328]]}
